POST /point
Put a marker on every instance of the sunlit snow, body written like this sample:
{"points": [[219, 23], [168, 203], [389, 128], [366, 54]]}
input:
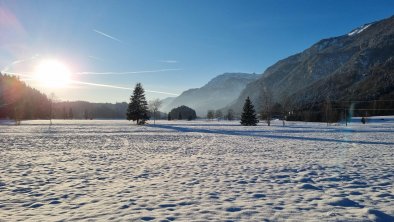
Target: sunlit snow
{"points": [[358, 30], [196, 171]]}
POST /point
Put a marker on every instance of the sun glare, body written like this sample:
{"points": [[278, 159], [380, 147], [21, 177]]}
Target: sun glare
{"points": [[52, 73]]}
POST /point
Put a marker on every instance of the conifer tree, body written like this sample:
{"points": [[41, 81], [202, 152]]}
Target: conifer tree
{"points": [[248, 117], [138, 107], [210, 114]]}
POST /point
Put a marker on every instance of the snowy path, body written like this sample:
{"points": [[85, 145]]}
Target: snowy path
{"points": [[196, 171]]}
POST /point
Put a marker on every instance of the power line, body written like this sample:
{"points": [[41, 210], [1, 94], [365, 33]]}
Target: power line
{"points": [[360, 101], [361, 109]]}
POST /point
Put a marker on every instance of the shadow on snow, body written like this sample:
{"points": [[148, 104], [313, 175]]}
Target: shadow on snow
{"points": [[253, 133]]}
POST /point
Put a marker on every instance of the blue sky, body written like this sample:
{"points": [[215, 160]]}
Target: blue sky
{"points": [[187, 43]]}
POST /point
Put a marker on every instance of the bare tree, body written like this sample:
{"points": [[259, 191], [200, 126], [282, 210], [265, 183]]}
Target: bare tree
{"points": [[267, 105], [210, 114], [51, 100], [154, 106], [285, 109], [218, 114], [230, 115], [18, 113]]}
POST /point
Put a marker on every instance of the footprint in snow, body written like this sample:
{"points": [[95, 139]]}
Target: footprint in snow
{"points": [[233, 209], [258, 195], [343, 202], [308, 186], [147, 218]]}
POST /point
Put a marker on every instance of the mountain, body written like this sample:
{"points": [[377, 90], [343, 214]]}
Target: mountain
{"points": [[355, 66], [216, 94], [166, 102]]}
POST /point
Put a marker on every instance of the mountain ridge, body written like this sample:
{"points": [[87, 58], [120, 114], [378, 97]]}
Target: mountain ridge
{"points": [[304, 78]]}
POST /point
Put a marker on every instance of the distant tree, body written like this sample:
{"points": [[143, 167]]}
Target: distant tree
{"points": [[328, 110], [285, 109], [19, 101], [64, 114], [183, 112], [210, 114], [51, 112], [154, 106], [230, 114], [276, 109], [169, 117], [138, 107], [70, 113], [218, 114], [267, 105], [86, 114], [248, 117], [18, 114]]}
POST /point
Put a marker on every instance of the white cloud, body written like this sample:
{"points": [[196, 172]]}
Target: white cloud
{"points": [[169, 61], [121, 87], [126, 73], [106, 35]]}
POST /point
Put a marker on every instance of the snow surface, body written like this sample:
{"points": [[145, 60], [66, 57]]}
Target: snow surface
{"points": [[196, 171], [359, 30]]}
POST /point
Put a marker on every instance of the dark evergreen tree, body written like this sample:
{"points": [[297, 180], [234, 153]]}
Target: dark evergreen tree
{"points": [[248, 117], [183, 112], [168, 117], [138, 107], [21, 102]]}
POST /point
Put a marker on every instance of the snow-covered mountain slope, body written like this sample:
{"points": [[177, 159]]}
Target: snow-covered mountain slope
{"points": [[359, 29]]}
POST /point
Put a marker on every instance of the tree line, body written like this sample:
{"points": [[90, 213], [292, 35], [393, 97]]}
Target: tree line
{"points": [[21, 102]]}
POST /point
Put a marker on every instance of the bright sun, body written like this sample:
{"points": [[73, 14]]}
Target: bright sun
{"points": [[52, 73]]}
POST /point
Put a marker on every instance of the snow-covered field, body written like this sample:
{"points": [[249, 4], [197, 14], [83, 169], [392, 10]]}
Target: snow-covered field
{"points": [[196, 171]]}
